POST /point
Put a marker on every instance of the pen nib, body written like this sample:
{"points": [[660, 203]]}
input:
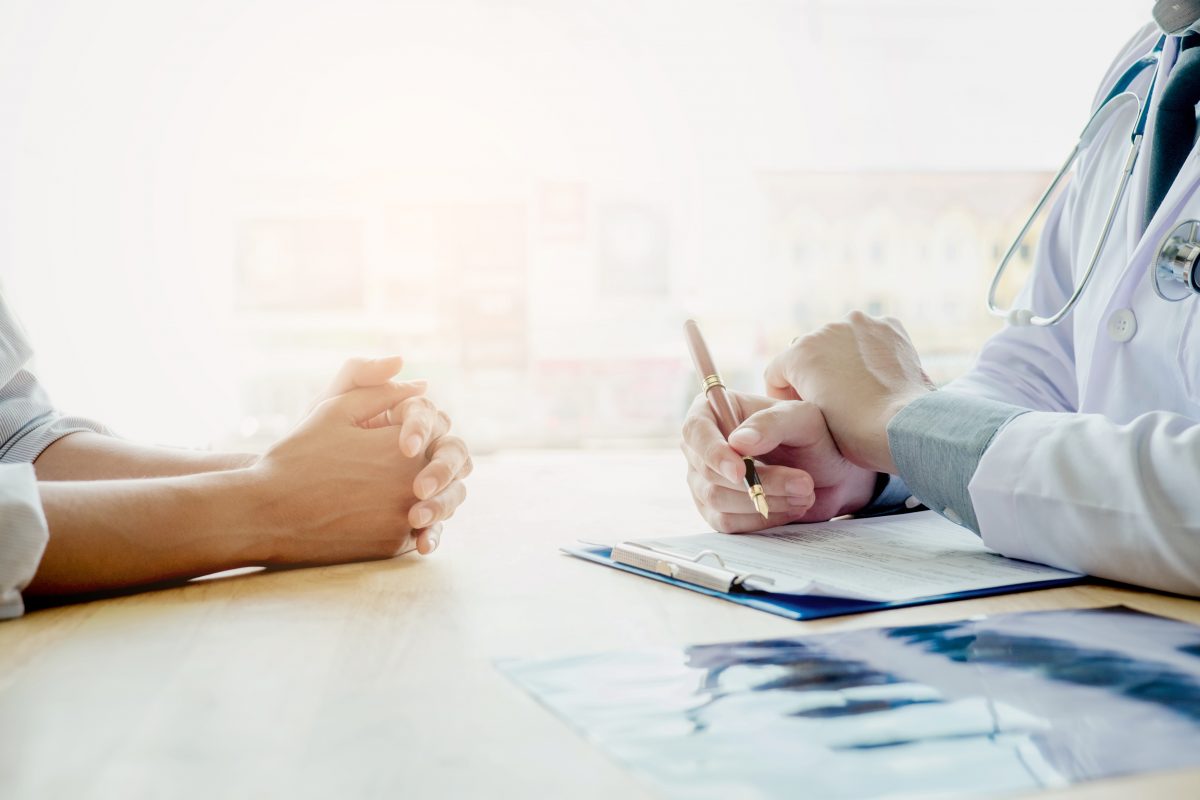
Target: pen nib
{"points": [[754, 486], [760, 500]]}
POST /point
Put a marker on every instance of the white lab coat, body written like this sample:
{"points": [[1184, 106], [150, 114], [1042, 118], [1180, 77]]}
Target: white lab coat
{"points": [[1104, 476]]}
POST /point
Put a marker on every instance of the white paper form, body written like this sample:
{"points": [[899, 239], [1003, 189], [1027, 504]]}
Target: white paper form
{"points": [[901, 557]]}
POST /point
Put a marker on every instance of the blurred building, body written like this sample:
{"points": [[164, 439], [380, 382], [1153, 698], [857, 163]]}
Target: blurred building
{"points": [[920, 246], [547, 313]]}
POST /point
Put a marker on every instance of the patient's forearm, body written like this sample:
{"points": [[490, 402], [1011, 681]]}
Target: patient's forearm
{"points": [[92, 456], [120, 533]]}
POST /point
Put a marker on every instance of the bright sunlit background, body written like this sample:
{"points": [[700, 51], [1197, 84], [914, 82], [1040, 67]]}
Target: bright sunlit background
{"points": [[205, 206]]}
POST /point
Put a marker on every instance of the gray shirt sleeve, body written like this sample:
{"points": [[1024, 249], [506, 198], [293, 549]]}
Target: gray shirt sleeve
{"points": [[937, 442]]}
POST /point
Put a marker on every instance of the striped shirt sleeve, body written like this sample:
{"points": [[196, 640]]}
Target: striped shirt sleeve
{"points": [[28, 425], [24, 535]]}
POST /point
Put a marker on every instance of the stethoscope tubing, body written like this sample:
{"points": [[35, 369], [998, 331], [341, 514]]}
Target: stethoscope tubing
{"points": [[1021, 316]]}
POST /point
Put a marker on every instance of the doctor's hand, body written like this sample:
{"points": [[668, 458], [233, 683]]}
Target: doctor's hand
{"points": [[422, 429], [805, 478], [860, 372]]}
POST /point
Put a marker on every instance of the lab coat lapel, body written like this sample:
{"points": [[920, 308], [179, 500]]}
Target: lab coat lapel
{"points": [[1140, 180]]}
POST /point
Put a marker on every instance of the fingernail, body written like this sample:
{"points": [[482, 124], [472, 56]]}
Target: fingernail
{"points": [[434, 540], [796, 488], [799, 502], [426, 487], [413, 445], [746, 436], [729, 470], [422, 518]]}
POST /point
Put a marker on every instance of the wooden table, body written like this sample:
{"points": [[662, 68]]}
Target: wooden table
{"points": [[376, 680]]}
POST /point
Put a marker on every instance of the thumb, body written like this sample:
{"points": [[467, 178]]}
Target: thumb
{"points": [[367, 402], [777, 379], [356, 372], [783, 392], [790, 422]]}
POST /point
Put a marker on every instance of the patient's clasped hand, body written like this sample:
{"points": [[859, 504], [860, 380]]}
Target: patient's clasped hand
{"points": [[372, 471]]}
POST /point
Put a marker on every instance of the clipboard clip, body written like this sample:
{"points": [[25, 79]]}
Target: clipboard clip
{"points": [[688, 569]]}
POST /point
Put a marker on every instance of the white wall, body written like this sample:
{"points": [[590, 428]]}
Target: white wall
{"points": [[129, 130]]}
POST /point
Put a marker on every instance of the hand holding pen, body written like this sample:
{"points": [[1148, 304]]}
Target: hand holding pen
{"points": [[718, 398], [803, 476]]}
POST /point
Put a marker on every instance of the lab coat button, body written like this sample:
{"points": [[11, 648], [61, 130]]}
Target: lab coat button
{"points": [[950, 514], [1122, 325]]}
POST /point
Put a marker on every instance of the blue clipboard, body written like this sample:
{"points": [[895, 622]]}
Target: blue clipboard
{"points": [[805, 606]]}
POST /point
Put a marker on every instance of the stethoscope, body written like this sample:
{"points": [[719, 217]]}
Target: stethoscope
{"points": [[1173, 271]]}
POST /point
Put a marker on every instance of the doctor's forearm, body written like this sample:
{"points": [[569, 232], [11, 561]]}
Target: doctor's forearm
{"points": [[89, 456], [1082, 492], [937, 442], [1076, 491]]}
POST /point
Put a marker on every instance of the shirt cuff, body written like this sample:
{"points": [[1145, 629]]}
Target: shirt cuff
{"points": [[937, 442], [892, 496], [23, 535]]}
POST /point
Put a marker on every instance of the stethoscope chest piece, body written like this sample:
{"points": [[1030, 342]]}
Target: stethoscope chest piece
{"points": [[1173, 271]]}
